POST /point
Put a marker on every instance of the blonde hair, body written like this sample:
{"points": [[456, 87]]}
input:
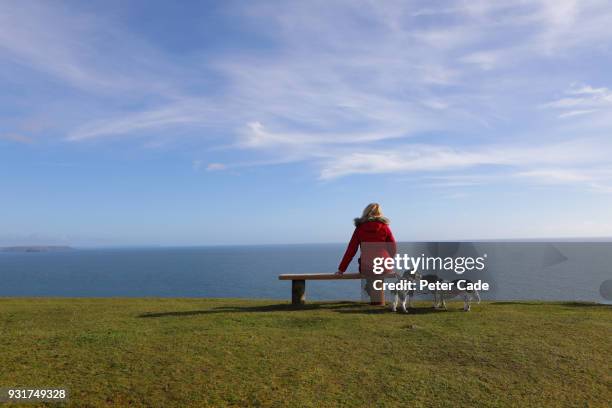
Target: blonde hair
{"points": [[372, 212]]}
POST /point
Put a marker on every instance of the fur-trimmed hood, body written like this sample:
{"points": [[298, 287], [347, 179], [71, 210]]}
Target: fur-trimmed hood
{"points": [[359, 221]]}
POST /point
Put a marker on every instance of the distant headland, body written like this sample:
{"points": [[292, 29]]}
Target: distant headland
{"points": [[36, 248]]}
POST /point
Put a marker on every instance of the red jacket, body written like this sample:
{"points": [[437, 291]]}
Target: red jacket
{"points": [[369, 231]]}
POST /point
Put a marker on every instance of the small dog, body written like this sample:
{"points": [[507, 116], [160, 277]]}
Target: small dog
{"points": [[439, 296], [467, 295], [404, 295], [433, 279]]}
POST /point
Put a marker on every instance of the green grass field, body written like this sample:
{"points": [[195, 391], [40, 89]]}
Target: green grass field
{"points": [[227, 352]]}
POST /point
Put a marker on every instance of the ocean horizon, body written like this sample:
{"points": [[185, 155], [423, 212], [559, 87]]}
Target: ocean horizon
{"points": [[232, 271]]}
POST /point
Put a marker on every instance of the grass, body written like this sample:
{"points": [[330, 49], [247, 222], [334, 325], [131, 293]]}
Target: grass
{"points": [[213, 352]]}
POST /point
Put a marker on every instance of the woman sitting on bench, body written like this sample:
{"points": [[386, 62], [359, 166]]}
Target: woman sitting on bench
{"points": [[373, 235]]}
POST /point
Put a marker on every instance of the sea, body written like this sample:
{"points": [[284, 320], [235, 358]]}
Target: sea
{"points": [[251, 272]]}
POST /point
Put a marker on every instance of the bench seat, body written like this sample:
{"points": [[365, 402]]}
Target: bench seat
{"points": [[298, 285], [320, 276]]}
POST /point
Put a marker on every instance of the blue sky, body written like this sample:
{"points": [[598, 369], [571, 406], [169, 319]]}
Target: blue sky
{"points": [[173, 123]]}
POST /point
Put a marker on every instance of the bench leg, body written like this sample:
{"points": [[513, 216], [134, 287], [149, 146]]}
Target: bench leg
{"points": [[377, 297], [298, 292]]}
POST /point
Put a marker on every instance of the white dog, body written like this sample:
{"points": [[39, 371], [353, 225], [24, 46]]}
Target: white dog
{"points": [[439, 296], [404, 295], [467, 295], [434, 279]]}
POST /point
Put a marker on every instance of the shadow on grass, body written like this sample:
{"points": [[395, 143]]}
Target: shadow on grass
{"points": [[585, 304], [543, 303], [413, 311], [284, 307], [339, 307], [350, 307]]}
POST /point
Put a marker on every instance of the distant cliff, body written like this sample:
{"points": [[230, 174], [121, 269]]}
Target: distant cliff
{"points": [[36, 248]]}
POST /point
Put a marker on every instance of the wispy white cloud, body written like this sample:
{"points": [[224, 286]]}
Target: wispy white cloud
{"points": [[257, 136], [15, 137], [427, 158], [562, 175], [215, 166], [81, 49], [597, 180], [582, 100], [348, 87], [576, 113], [189, 112]]}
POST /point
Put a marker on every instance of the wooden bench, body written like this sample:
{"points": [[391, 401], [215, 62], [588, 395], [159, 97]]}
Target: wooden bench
{"points": [[298, 285]]}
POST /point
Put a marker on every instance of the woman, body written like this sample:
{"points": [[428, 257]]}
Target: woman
{"points": [[372, 229]]}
